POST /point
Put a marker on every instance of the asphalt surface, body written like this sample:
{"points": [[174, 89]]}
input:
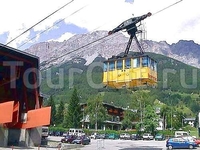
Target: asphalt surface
{"points": [[99, 144]]}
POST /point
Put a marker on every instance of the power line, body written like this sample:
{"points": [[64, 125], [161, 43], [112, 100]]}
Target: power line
{"points": [[167, 7], [39, 22], [108, 35], [51, 27]]}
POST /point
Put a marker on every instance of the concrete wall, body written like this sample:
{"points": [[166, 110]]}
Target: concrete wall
{"points": [[35, 136], [24, 137], [17, 137], [20, 137], [3, 137]]}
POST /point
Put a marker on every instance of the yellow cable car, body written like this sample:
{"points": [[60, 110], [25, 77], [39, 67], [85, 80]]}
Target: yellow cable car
{"points": [[130, 70]]}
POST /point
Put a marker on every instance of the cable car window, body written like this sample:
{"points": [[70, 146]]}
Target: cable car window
{"points": [[149, 62], [128, 63], [119, 64], [105, 66], [136, 62], [111, 65], [152, 65], [144, 61], [155, 66]]}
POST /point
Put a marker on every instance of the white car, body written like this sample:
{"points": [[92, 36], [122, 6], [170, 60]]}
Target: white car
{"points": [[147, 136]]}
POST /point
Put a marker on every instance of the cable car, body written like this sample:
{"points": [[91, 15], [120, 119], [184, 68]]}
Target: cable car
{"points": [[130, 70]]}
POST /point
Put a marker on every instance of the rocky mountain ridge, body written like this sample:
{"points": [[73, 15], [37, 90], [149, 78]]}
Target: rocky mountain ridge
{"points": [[91, 45]]}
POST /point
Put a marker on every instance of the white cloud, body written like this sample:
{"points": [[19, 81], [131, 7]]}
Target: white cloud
{"points": [[65, 36], [180, 21]]}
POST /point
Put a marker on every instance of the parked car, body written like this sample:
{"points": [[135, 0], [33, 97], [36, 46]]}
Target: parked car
{"points": [[125, 136], [136, 137], [172, 143], [94, 136], [192, 139], [113, 136], [103, 136], [65, 134], [147, 136], [68, 139], [159, 137], [51, 133], [84, 140]]}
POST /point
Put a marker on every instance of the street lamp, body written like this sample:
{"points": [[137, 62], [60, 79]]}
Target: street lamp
{"points": [[171, 112], [83, 120]]}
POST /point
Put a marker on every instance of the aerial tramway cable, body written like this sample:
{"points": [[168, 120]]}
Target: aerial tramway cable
{"points": [[39, 22], [109, 35]]}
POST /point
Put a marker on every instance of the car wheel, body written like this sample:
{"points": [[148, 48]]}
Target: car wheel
{"points": [[170, 147], [191, 147]]}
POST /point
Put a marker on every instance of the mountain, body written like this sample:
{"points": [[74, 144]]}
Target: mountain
{"points": [[89, 46], [178, 90]]}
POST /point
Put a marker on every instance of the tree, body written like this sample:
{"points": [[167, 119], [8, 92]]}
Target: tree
{"points": [[165, 110], [128, 118], [60, 113], [96, 110], [73, 116], [150, 120], [53, 110]]}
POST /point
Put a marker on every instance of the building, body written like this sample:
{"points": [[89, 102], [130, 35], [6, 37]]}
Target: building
{"points": [[189, 121], [20, 100], [116, 116]]}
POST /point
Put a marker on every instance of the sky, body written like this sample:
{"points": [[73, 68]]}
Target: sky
{"points": [[179, 22]]}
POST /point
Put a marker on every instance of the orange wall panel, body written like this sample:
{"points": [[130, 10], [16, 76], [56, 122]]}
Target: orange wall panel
{"points": [[6, 112]]}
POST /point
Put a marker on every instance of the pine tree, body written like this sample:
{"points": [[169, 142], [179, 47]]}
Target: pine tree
{"points": [[53, 110], [73, 117], [60, 113]]}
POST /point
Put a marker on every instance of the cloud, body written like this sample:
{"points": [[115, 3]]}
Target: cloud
{"points": [[63, 37], [180, 21]]}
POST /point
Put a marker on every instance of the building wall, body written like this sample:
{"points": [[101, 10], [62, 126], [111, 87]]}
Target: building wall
{"points": [[3, 136]]}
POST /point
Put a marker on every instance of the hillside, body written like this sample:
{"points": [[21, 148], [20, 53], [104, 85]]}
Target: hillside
{"points": [[89, 46], [176, 86]]}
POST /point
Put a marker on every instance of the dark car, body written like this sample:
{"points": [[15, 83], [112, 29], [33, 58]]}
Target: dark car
{"points": [[179, 143], [51, 133], [136, 137], [103, 136], [68, 139], [84, 140], [159, 137]]}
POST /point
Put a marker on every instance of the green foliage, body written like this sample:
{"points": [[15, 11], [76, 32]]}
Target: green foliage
{"points": [[73, 116], [60, 113], [95, 110], [173, 88], [53, 110], [150, 120], [128, 119]]}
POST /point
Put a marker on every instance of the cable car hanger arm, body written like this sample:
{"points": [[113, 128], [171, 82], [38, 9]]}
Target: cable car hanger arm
{"points": [[129, 24], [131, 28]]}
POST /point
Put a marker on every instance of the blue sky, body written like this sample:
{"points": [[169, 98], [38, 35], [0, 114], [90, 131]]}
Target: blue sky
{"points": [[53, 34], [171, 25]]}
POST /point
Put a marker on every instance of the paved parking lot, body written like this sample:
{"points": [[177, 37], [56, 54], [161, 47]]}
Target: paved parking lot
{"points": [[101, 145]]}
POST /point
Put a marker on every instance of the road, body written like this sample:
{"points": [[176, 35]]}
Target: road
{"points": [[101, 145], [119, 145]]}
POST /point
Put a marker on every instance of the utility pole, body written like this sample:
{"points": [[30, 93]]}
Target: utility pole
{"points": [[96, 113]]}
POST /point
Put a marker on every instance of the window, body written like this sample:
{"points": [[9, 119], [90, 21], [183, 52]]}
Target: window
{"points": [[111, 65], [128, 63], [119, 64], [145, 61], [136, 62], [105, 66], [155, 66]]}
